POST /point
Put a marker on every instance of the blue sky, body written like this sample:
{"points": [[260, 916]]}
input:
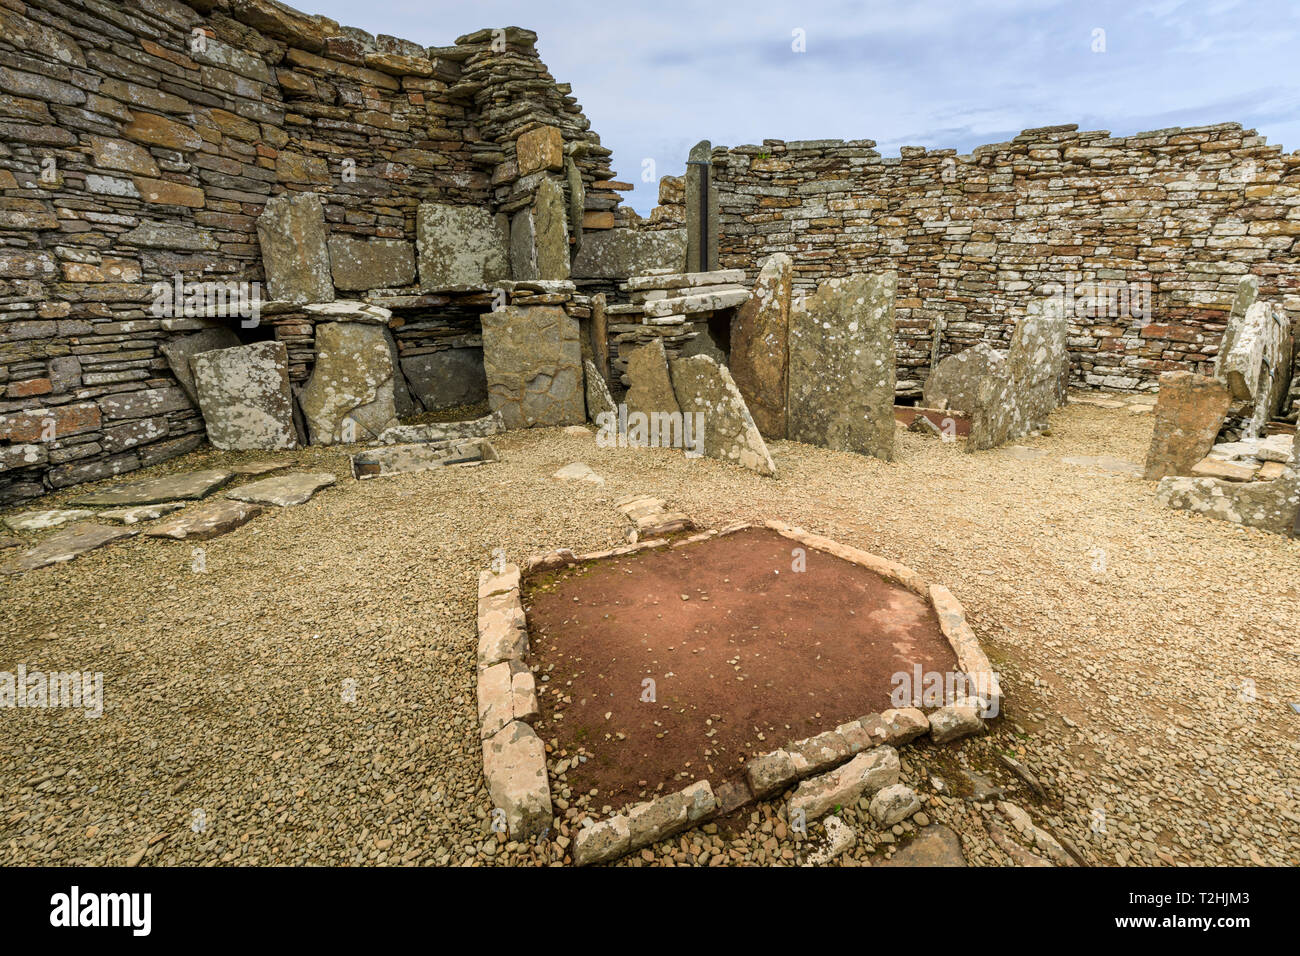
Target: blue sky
{"points": [[655, 78]]}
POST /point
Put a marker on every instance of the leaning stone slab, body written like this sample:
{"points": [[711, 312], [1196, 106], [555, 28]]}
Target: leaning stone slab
{"points": [[865, 773], [459, 246], [245, 397], [362, 264], [617, 253], [43, 520], [1189, 413], [1247, 293], [701, 386], [650, 387], [184, 487], [962, 382], [292, 234], [350, 396], [599, 399], [760, 333], [514, 764], [1270, 505], [842, 366], [209, 520], [178, 353], [533, 361], [284, 491], [65, 545]]}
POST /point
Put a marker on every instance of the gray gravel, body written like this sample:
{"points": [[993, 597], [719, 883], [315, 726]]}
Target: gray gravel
{"points": [[1124, 632]]}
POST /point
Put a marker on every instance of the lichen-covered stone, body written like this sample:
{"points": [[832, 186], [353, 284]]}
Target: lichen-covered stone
{"points": [[514, 764], [350, 396], [245, 398], [866, 773], [599, 399], [551, 231], [459, 246], [533, 363], [360, 264], [618, 253], [178, 353], [728, 432], [295, 254], [842, 366], [1270, 505], [760, 333]]}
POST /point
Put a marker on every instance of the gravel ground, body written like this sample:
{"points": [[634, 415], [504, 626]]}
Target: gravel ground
{"points": [[1125, 634]]}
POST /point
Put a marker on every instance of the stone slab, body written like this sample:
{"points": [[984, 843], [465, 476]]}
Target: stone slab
{"points": [[532, 358], [360, 264], [65, 545], [295, 254], [702, 386], [284, 491], [842, 366], [760, 344], [178, 353], [1189, 413], [188, 486], [208, 520], [245, 397], [351, 395], [459, 246], [618, 253]]}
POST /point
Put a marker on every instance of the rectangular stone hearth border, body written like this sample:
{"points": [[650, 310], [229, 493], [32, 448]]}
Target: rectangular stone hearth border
{"points": [[830, 768]]}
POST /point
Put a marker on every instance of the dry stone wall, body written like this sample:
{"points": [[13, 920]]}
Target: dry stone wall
{"points": [[140, 141], [975, 238]]}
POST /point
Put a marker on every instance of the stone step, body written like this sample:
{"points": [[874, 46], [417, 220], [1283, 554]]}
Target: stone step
{"points": [[710, 302], [683, 280]]}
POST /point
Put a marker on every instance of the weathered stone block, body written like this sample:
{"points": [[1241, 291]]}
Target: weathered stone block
{"points": [[618, 253], [533, 363], [350, 396], [459, 246], [1188, 415], [728, 432], [539, 148], [360, 264], [244, 395]]}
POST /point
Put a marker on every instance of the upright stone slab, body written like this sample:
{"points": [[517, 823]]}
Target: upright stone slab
{"points": [[760, 346], [600, 334], [728, 432], [1257, 367], [361, 264], [842, 366], [295, 255], [178, 353], [1188, 415], [701, 210], [350, 396], [1019, 399], [459, 246], [523, 245], [1247, 293], [244, 395], [533, 363], [650, 388], [551, 231]]}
